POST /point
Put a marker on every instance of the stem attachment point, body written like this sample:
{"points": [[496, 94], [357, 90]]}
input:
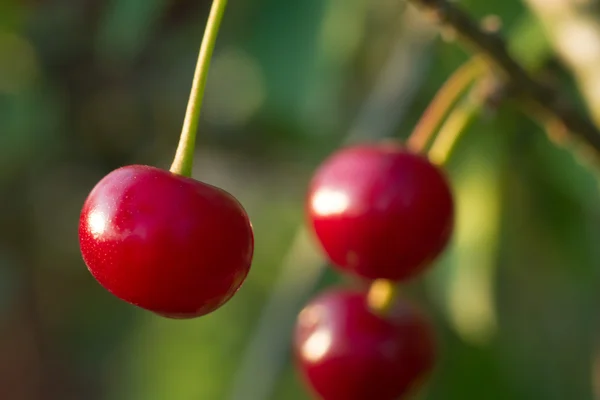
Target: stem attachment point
{"points": [[381, 296]]}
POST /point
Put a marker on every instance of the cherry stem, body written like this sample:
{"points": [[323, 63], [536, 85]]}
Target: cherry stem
{"points": [[184, 157], [381, 296], [454, 126], [444, 99]]}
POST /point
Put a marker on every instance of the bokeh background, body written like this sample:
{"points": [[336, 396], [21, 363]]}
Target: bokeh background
{"points": [[88, 86]]}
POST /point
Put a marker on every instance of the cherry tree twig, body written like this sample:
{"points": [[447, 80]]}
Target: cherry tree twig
{"points": [[493, 48]]}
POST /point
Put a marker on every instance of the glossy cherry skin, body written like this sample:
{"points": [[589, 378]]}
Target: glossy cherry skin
{"points": [[166, 243], [346, 352], [380, 211]]}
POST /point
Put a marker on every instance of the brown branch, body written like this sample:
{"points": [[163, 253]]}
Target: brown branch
{"points": [[493, 48]]}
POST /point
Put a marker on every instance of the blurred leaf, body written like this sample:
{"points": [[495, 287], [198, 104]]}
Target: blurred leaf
{"points": [[19, 65], [9, 280], [11, 14], [306, 59], [285, 40], [463, 283], [30, 122], [527, 42], [507, 11], [126, 28], [561, 170], [548, 277]]}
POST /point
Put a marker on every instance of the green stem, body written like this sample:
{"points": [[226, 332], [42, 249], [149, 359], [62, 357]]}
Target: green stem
{"points": [[382, 294], [456, 124], [184, 157], [454, 87]]}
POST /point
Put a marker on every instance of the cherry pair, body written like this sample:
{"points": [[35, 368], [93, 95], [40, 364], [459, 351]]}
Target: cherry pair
{"points": [[379, 212]]}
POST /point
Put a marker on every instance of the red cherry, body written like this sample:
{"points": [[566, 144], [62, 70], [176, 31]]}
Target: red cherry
{"points": [[380, 211], [346, 352], [164, 242]]}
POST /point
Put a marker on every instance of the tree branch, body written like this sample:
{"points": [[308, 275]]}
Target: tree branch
{"points": [[493, 48]]}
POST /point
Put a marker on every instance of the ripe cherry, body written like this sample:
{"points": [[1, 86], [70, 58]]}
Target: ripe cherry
{"points": [[380, 212], [346, 352], [164, 242]]}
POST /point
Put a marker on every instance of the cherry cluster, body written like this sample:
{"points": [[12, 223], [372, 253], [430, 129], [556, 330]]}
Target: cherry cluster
{"points": [[379, 212], [182, 248]]}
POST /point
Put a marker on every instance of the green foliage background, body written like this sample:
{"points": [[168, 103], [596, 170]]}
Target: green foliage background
{"points": [[88, 86]]}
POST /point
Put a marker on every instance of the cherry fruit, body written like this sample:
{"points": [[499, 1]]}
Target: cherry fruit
{"points": [[164, 242], [380, 211], [346, 352]]}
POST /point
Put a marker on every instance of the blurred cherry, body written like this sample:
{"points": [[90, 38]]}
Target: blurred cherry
{"points": [[380, 211], [346, 352]]}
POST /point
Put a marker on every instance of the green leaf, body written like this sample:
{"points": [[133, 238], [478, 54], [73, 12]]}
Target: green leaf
{"points": [[527, 42], [463, 282]]}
